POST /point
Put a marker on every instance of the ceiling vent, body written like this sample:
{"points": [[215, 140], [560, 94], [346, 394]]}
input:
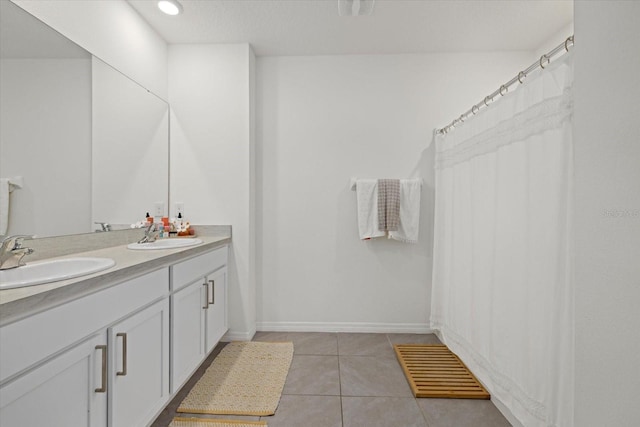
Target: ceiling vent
{"points": [[355, 7]]}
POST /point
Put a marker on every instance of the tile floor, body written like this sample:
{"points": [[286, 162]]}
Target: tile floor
{"points": [[353, 380]]}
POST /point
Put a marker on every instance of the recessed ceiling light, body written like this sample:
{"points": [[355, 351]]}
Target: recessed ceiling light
{"points": [[170, 7]]}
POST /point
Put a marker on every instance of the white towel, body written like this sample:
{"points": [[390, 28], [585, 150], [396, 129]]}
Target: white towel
{"points": [[4, 205], [409, 211], [367, 197]]}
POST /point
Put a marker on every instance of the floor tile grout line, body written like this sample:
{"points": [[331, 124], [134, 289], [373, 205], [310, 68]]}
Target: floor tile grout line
{"points": [[379, 397], [340, 383]]}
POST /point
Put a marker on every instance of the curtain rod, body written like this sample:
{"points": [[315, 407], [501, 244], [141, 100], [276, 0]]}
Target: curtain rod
{"points": [[502, 90]]}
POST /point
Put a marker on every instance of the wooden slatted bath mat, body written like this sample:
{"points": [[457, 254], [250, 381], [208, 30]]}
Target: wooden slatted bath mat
{"points": [[434, 371]]}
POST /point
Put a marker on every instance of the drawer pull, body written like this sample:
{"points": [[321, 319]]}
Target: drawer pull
{"points": [[206, 296], [103, 387], [124, 354], [213, 291]]}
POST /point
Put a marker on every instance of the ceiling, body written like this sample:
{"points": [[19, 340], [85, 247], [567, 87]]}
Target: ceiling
{"points": [[314, 27]]}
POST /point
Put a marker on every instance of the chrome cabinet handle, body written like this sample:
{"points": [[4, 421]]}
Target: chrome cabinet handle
{"points": [[124, 354], [103, 388], [207, 296], [213, 291]]}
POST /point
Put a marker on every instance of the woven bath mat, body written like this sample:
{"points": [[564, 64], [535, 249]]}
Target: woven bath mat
{"points": [[203, 422], [434, 371], [246, 378]]}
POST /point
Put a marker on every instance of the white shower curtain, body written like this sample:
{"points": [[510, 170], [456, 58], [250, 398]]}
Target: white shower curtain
{"points": [[502, 279]]}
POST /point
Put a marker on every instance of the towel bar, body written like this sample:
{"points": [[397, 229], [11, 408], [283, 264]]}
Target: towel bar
{"points": [[353, 182]]}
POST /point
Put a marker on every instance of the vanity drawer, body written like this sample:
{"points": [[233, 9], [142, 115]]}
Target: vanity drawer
{"points": [[31, 340], [197, 267]]}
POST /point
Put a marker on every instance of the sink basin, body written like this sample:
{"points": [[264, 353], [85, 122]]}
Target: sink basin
{"points": [[173, 243], [39, 272]]}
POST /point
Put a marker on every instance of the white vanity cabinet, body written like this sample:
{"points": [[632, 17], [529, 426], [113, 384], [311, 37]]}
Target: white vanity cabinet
{"points": [[114, 358], [216, 308], [139, 351], [199, 311], [188, 330], [68, 390], [60, 367]]}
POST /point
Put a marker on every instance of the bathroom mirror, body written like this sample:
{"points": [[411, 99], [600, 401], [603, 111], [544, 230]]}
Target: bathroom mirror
{"points": [[89, 143], [130, 156]]}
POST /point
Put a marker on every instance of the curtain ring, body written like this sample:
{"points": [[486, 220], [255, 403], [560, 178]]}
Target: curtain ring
{"points": [[544, 58], [506, 89], [521, 75], [475, 109], [566, 43], [486, 101], [461, 118]]}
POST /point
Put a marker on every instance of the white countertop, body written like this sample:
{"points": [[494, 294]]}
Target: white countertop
{"points": [[18, 303]]}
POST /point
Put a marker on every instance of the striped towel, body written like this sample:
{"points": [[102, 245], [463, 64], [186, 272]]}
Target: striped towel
{"points": [[388, 204], [409, 211]]}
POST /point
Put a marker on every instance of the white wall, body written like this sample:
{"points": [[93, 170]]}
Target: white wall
{"points": [[111, 30], [554, 40], [55, 94], [607, 213], [322, 120], [211, 157]]}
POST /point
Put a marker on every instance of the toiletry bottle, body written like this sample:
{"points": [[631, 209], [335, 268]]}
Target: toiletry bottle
{"points": [[180, 222]]}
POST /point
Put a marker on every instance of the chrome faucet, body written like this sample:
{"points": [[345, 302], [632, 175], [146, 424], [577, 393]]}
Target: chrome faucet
{"points": [[104, 226], [151, 233], [12, 252]]}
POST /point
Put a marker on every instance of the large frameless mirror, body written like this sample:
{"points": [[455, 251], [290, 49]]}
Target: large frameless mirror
{"points": [[83, 142]]}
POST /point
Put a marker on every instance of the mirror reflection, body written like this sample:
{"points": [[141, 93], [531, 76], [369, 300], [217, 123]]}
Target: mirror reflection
{"points": [[84, 142], [130, 149]]}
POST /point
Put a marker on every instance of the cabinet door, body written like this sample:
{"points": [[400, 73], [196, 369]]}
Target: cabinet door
{"points": [[187, 329], [217, 310], [67, 391], [139, 371]]}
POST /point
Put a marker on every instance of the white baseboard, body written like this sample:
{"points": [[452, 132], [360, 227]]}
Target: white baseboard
{"points": [[238, 336], [389, 328]]}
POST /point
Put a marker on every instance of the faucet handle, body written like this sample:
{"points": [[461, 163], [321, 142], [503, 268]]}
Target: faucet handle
{"points": [[15, 241], [104, 225]]}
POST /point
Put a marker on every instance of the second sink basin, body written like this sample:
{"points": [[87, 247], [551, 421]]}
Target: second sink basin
{"points": [[39, 272], [172, 243]]}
